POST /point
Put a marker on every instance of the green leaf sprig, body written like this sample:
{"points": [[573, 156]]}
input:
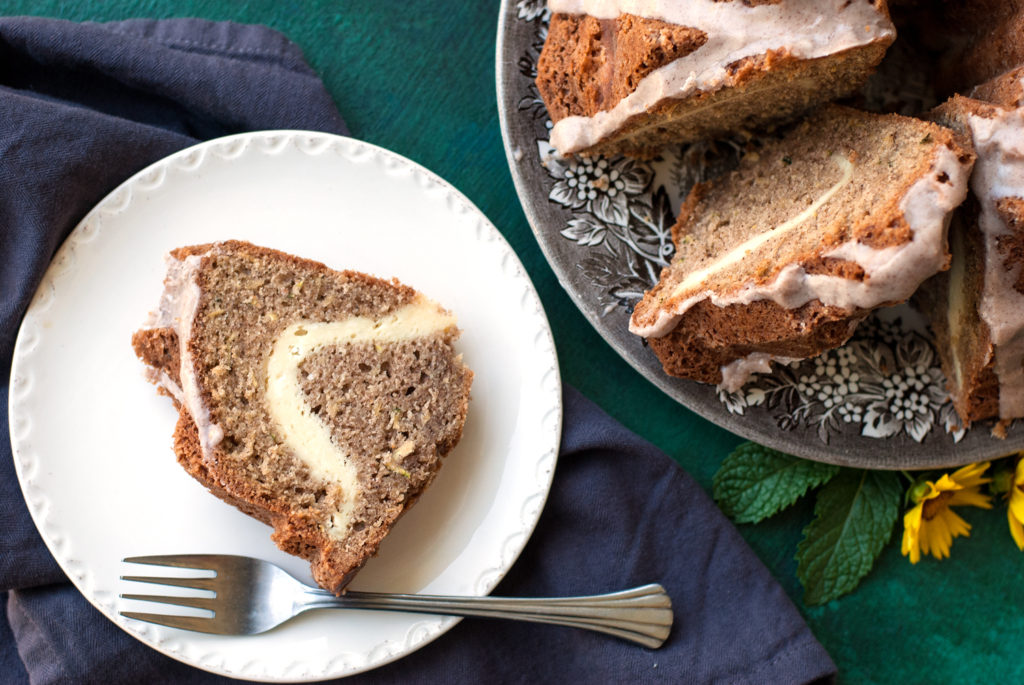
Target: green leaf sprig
{"points": [[755, 482], [854, 514]]}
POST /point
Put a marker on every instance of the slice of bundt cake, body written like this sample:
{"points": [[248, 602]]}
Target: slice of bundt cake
{"points": [[784, 256], [320, 402], [630, 76], [977, 309]]}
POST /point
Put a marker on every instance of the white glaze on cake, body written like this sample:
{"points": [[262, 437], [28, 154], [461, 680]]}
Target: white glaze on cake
{"points": [[998, 174], [739, 371], [178, 306], [956, 298], [300, 428], [808, 29]]}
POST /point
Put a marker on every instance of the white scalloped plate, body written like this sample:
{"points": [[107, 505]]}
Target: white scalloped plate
{"points": [[92, 439]]}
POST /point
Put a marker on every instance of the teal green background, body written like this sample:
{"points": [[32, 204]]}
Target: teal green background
{"points": [[418, 78]]}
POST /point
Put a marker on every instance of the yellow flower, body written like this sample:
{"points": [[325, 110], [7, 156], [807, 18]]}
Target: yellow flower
{"points": [[1015, 512], [931, 525]]}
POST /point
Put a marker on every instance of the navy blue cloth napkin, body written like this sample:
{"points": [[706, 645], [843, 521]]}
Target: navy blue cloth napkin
{"points": [[82, 107]]}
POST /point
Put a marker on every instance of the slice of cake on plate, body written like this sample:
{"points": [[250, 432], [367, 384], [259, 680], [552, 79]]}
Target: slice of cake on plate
{"points": [[977, 309], [317, 401], [630, 76], [782, 258]]}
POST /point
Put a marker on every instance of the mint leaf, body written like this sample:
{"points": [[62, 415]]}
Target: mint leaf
{"points": [[755, 482], [853, 519]]}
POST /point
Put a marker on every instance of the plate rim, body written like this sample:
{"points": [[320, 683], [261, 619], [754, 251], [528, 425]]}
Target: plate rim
{"points": [[26, 459]]}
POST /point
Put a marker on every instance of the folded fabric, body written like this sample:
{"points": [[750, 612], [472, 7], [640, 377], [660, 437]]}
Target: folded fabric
{"points": [[82, 107]]}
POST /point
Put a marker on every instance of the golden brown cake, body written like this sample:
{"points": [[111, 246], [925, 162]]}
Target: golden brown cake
{"points": [[977, 309], [632, 75], [781, 259], [317, 401]]}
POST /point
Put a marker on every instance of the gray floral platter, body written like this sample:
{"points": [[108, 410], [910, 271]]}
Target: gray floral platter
{"points": [[604, 225]]}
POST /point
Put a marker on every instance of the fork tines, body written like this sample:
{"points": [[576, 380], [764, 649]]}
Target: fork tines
{"points": [[197, 561]]}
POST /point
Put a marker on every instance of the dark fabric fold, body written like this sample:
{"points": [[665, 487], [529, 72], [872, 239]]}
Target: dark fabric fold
{"points": [[84, 106]]}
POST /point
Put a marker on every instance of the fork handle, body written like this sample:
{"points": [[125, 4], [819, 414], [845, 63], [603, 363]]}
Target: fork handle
{"points": [[642, 614]]}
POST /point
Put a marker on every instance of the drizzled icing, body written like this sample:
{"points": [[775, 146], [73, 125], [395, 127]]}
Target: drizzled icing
{"points": [[178, 306], [957, 297], [738, 371], [808, 29], [998, 174], [891, 274]]}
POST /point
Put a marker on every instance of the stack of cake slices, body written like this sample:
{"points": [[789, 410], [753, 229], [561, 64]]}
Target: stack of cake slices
{"points": [[977, 308], [841, 211]]}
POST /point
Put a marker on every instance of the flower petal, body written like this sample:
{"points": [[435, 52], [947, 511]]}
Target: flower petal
{"points": [[956, 525], [1016, 529], [971, 497], [972, 474], [942, 537], [1017, 504], [911, 534], [911, 547], [1018, 477], [947, 484]]}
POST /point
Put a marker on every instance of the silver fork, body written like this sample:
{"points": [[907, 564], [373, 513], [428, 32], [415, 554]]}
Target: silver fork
{"points": [[252, 596]]}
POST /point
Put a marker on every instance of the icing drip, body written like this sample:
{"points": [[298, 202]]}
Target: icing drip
{"points": [[957, 300], [808, 29], [736, 373], [178, 307], [998, 174]]}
